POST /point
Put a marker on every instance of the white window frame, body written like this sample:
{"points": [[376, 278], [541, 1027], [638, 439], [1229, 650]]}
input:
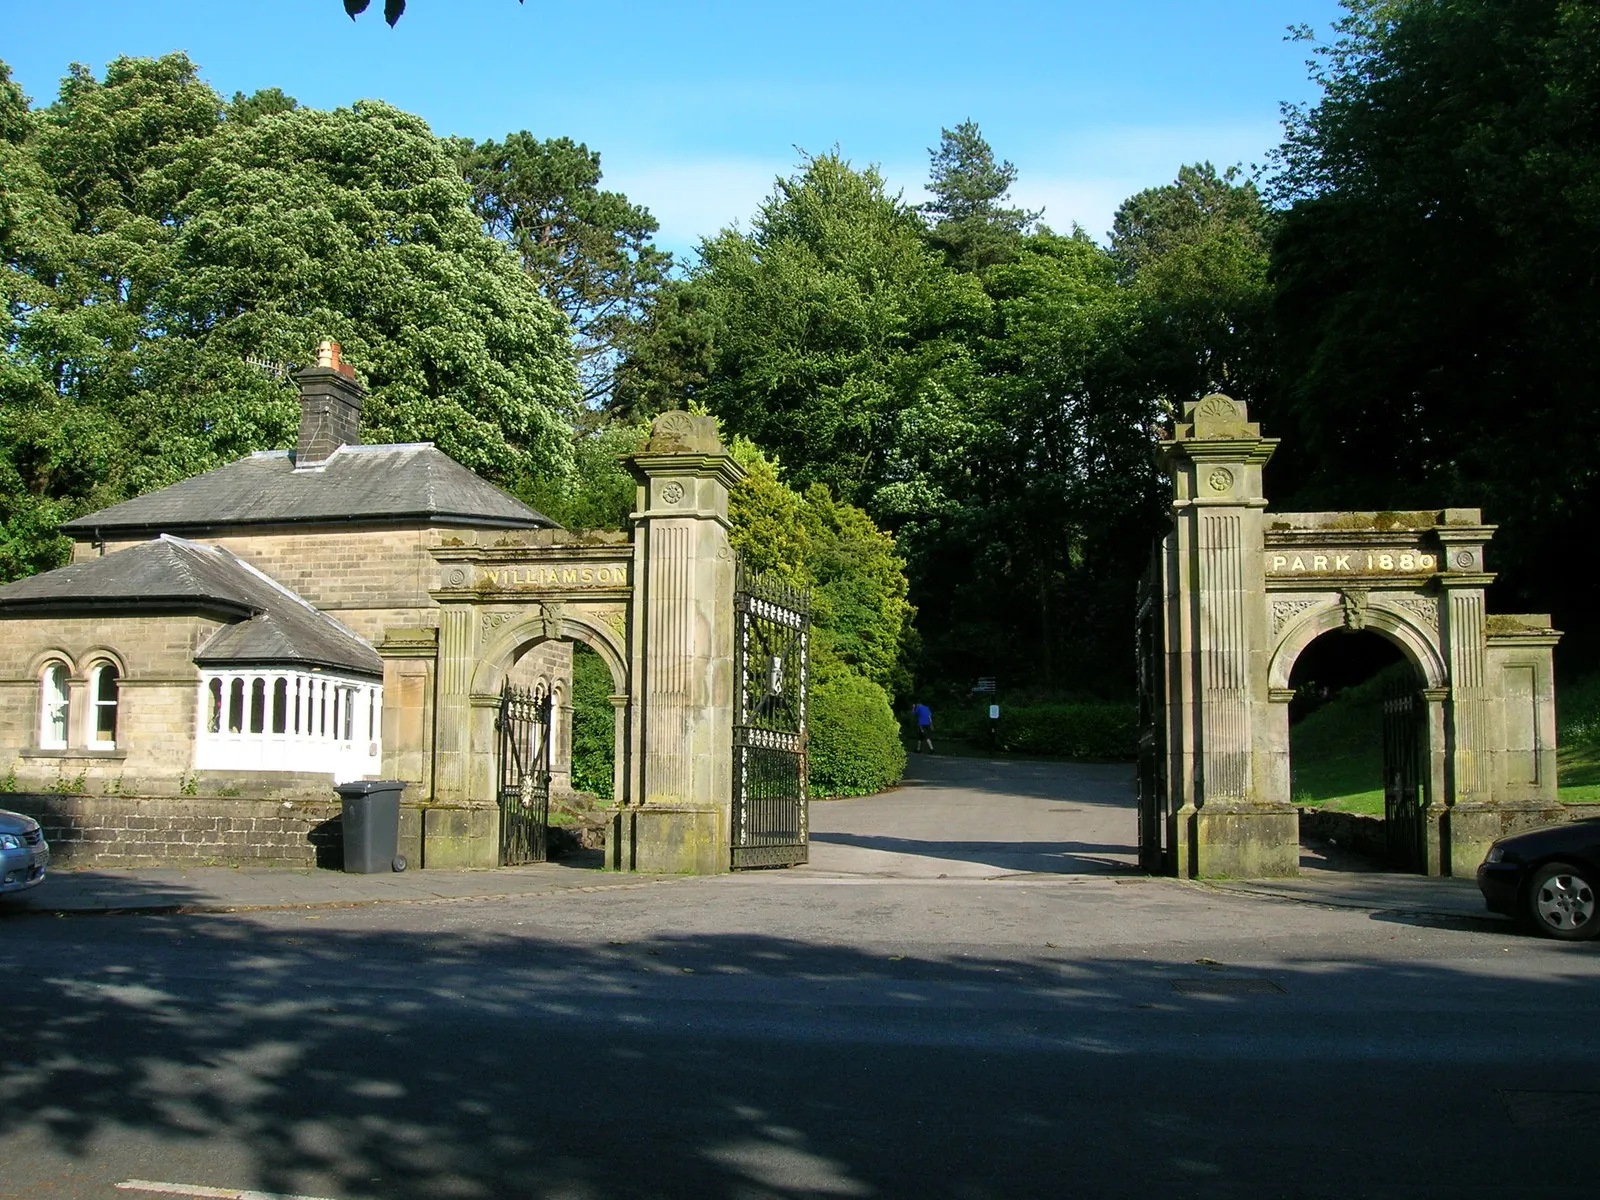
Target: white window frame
{"points": [[305, 734], [55, 705], [97, 704]]}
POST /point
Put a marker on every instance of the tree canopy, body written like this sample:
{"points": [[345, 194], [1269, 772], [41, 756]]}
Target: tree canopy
{"points": [[970, 220], [949, 395], [589, 250], [1434, 274], [167, 255]]}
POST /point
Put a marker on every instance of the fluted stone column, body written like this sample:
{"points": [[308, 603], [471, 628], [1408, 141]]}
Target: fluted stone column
{"points": [[1483, 802], [1220, 732], [683, 628], [461, 828]]}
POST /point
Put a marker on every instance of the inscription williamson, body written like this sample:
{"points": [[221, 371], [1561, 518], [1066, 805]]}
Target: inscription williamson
{"points": [[1352, 562], [509, 579]]}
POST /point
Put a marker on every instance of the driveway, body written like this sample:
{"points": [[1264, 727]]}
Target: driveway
{"points": [[979, 818]]}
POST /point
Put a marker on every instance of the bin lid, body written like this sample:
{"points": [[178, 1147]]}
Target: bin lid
{"points": [[368, 787]]}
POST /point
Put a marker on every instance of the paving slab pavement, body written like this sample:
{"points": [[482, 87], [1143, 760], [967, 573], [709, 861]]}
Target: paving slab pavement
{"points": [[230, 889], [983, 818], [964, 820], [979, 818]]}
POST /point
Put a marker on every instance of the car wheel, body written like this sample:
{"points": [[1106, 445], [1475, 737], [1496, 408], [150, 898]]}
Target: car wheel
{"points": [[1560, 902]]}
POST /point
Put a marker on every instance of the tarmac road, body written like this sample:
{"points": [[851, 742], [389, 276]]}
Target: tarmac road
{"points": [[857, 1028]]}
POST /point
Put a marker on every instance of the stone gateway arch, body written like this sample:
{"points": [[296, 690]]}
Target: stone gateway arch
{"points": [[1233, 595]]}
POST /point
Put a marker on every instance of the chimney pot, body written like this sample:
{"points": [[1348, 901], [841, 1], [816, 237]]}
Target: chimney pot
{"points": [[330, 408]]}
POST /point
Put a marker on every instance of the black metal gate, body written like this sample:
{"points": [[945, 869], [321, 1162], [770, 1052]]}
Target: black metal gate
{"points": [[524, 725], [1405, 776], [772, 634], [1152, 767]]}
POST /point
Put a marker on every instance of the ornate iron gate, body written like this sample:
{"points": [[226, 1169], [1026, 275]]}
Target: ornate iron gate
{"points": [[524, 725], [1152, 769], [1405, 792], [772, 636]]}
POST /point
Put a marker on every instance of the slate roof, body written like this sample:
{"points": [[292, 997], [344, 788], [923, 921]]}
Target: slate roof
{"points": [[386, 484], [269, 623]]}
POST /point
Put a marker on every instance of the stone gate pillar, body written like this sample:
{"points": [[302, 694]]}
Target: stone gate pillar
{"points": [[682, 645], [1230, 820]]}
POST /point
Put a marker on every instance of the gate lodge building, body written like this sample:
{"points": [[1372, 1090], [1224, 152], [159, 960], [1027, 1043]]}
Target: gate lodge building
{"points": [[218, 651]]}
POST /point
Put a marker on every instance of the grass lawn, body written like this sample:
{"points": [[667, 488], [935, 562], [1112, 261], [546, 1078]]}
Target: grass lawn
{"points": [[1580, 771], [1337, 751]]}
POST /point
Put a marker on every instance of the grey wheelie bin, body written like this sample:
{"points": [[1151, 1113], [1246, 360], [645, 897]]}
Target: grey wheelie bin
{"points": [[371, 819]]}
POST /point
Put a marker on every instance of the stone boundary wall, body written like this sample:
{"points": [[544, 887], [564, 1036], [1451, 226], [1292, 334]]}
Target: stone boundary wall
{"points": [[167, 831], [1354, 831], [1366, 834]]}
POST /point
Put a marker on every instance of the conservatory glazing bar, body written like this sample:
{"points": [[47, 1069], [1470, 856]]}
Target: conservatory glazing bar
{"points": [[285, 720]]}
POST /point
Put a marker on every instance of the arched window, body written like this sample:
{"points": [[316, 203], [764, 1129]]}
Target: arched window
{"points": [[53, 707], [280, 704], [214, 720], [236, 707], [104, 693]]}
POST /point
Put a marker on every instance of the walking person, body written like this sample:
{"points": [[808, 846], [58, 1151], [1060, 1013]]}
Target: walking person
{"points": [[923, 716]]}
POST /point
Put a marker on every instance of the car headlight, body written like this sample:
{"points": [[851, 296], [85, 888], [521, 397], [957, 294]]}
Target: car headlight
{"points": [[1496, 854], [10, 841]]}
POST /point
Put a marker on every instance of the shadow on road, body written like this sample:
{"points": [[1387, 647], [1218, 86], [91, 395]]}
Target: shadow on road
{"points": [[112, 890], [461, 1063], [1062, 858]]}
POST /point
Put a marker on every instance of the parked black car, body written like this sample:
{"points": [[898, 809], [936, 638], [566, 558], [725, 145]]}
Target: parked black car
{"points": [[1547, 878], [23, 852]]}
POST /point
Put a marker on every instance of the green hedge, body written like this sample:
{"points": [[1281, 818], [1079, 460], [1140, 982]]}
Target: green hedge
{"points": [[855, 740], [1101, 732]]}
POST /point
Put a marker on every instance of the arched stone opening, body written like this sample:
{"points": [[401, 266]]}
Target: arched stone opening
{"points": [[1363, 738], [536, 651], [1234, 596]]}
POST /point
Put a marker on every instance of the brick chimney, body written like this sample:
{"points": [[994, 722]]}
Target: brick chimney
{"points": [[330, 408]]}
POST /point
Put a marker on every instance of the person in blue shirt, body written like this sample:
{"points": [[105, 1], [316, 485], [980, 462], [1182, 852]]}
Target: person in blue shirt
{"points": [[923, 716]]}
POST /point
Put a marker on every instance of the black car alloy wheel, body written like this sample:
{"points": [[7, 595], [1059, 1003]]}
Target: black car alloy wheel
{"points": [[1560, 902]]}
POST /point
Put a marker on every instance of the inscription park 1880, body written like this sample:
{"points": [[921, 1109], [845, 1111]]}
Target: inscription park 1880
{"points": [[1351, 562]]}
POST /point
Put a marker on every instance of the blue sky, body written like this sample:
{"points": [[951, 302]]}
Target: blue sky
{"points": [[695, 107]]}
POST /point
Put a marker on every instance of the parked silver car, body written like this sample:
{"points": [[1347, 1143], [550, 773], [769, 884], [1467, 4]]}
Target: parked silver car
{"points": [[23, 852]]}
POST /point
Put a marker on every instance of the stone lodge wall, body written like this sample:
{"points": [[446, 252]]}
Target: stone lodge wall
{"points": [[152, 831], [156, 710]]}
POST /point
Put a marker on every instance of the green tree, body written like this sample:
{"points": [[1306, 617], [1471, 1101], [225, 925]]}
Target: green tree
{"points": [[1194, 256], [169, 238], [1436, 275], [34, 237], [589, 250], [971, 221], [355, 223], [860, 615], [814, 333], [1027, 573], [263, 103], [594, 733]]}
